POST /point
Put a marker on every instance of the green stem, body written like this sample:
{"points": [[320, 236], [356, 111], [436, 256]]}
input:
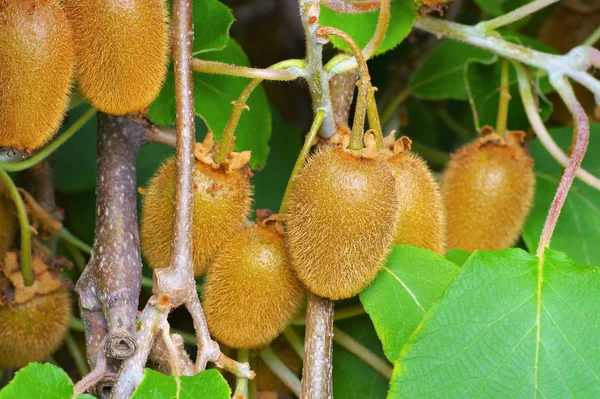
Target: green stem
{"points": [[514, 15], [241, 390], [310, 137], [295, 341], [341, 314], [280, 370], [24, 227], [239, 105], [77, 257], [373, 116], [221, 68], [593, 38], [362, 352], [391, 107], [504, 99], [80, 362], [50, 148], [67, 236]]}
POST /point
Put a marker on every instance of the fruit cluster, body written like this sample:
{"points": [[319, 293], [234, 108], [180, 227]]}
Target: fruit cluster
{"points": [[117, 49]]}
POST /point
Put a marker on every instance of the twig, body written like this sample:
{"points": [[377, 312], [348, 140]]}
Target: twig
{"points": [[50, 148], [163, 135], [582, 130], [515, 15], [92, 378], [281, 371], [25, 261], [593, 38], [362, 352], [221, 68], [531, 109], [76, 242], [318, 79], [316, 374], [294, 340], [351, 7]]}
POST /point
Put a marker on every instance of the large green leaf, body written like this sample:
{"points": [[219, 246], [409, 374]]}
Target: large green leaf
{"points": [[212, 20], [353, 378], [37, 381], [441, 75], [362, 26], [509, 326], [213, 95], [578, 230], [208, 384], [412, 280]]}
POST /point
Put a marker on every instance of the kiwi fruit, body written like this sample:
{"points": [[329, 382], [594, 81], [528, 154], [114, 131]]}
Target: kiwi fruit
{"points": [[222, 202], [122, 49], [421, 215], [488, 189], [36, 67], [33, 319], [8, 222], [341, 221], [251, 292]]}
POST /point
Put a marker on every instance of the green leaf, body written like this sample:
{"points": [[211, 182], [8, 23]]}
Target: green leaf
{"points": [[509, 326], [458, 256], [208, 384], [499, 7], [352, 378], [362, 26], [75, 160], [36, 381], [213, 96], [212, 20], [577, 232], [412, 280], [441, 75]]}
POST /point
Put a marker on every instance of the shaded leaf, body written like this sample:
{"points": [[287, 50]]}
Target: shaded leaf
{"points": [[212, 20], [208, 384], [509, 326], [578, 230], [361, 26], [412, 280]]}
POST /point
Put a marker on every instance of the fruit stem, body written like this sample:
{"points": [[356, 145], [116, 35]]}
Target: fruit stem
{"points": [[504, 99], [50, 148], [279, 368], [391, 107], [24, 227], [67, 236], [531, 109], [294, 340], [351, 7], [294, 70], [80, 362], [582, 132], [346, 341], [308, 142], [318, 346], [593, 38], [241, 389], [318, 78], [373, 116], [514, 15], [364, 85], [240, 104], [369, 50]]}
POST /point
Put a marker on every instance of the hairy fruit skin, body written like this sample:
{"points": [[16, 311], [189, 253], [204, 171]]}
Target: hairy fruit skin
{"points": [[488, 189], [421, 215], [121, 48], [341, 222], [31, 331], [221, 204], [36, 67], [251, 292]]}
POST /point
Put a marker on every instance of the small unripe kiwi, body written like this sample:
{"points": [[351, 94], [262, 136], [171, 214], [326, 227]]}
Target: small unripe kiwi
{"points": [[341, 221], [251, 291], [421, 215], [221, 204], [121, 48], [36, 66], [8, 222], [488, 189]]}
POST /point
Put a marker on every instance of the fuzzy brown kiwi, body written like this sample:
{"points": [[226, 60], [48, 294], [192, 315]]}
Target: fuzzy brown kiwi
{"points": [[36, 67], [251, 291], [421, 215], [121, 48], [341, 221], [34, 319], [8, 222], [488, 189], [221, 204]]}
